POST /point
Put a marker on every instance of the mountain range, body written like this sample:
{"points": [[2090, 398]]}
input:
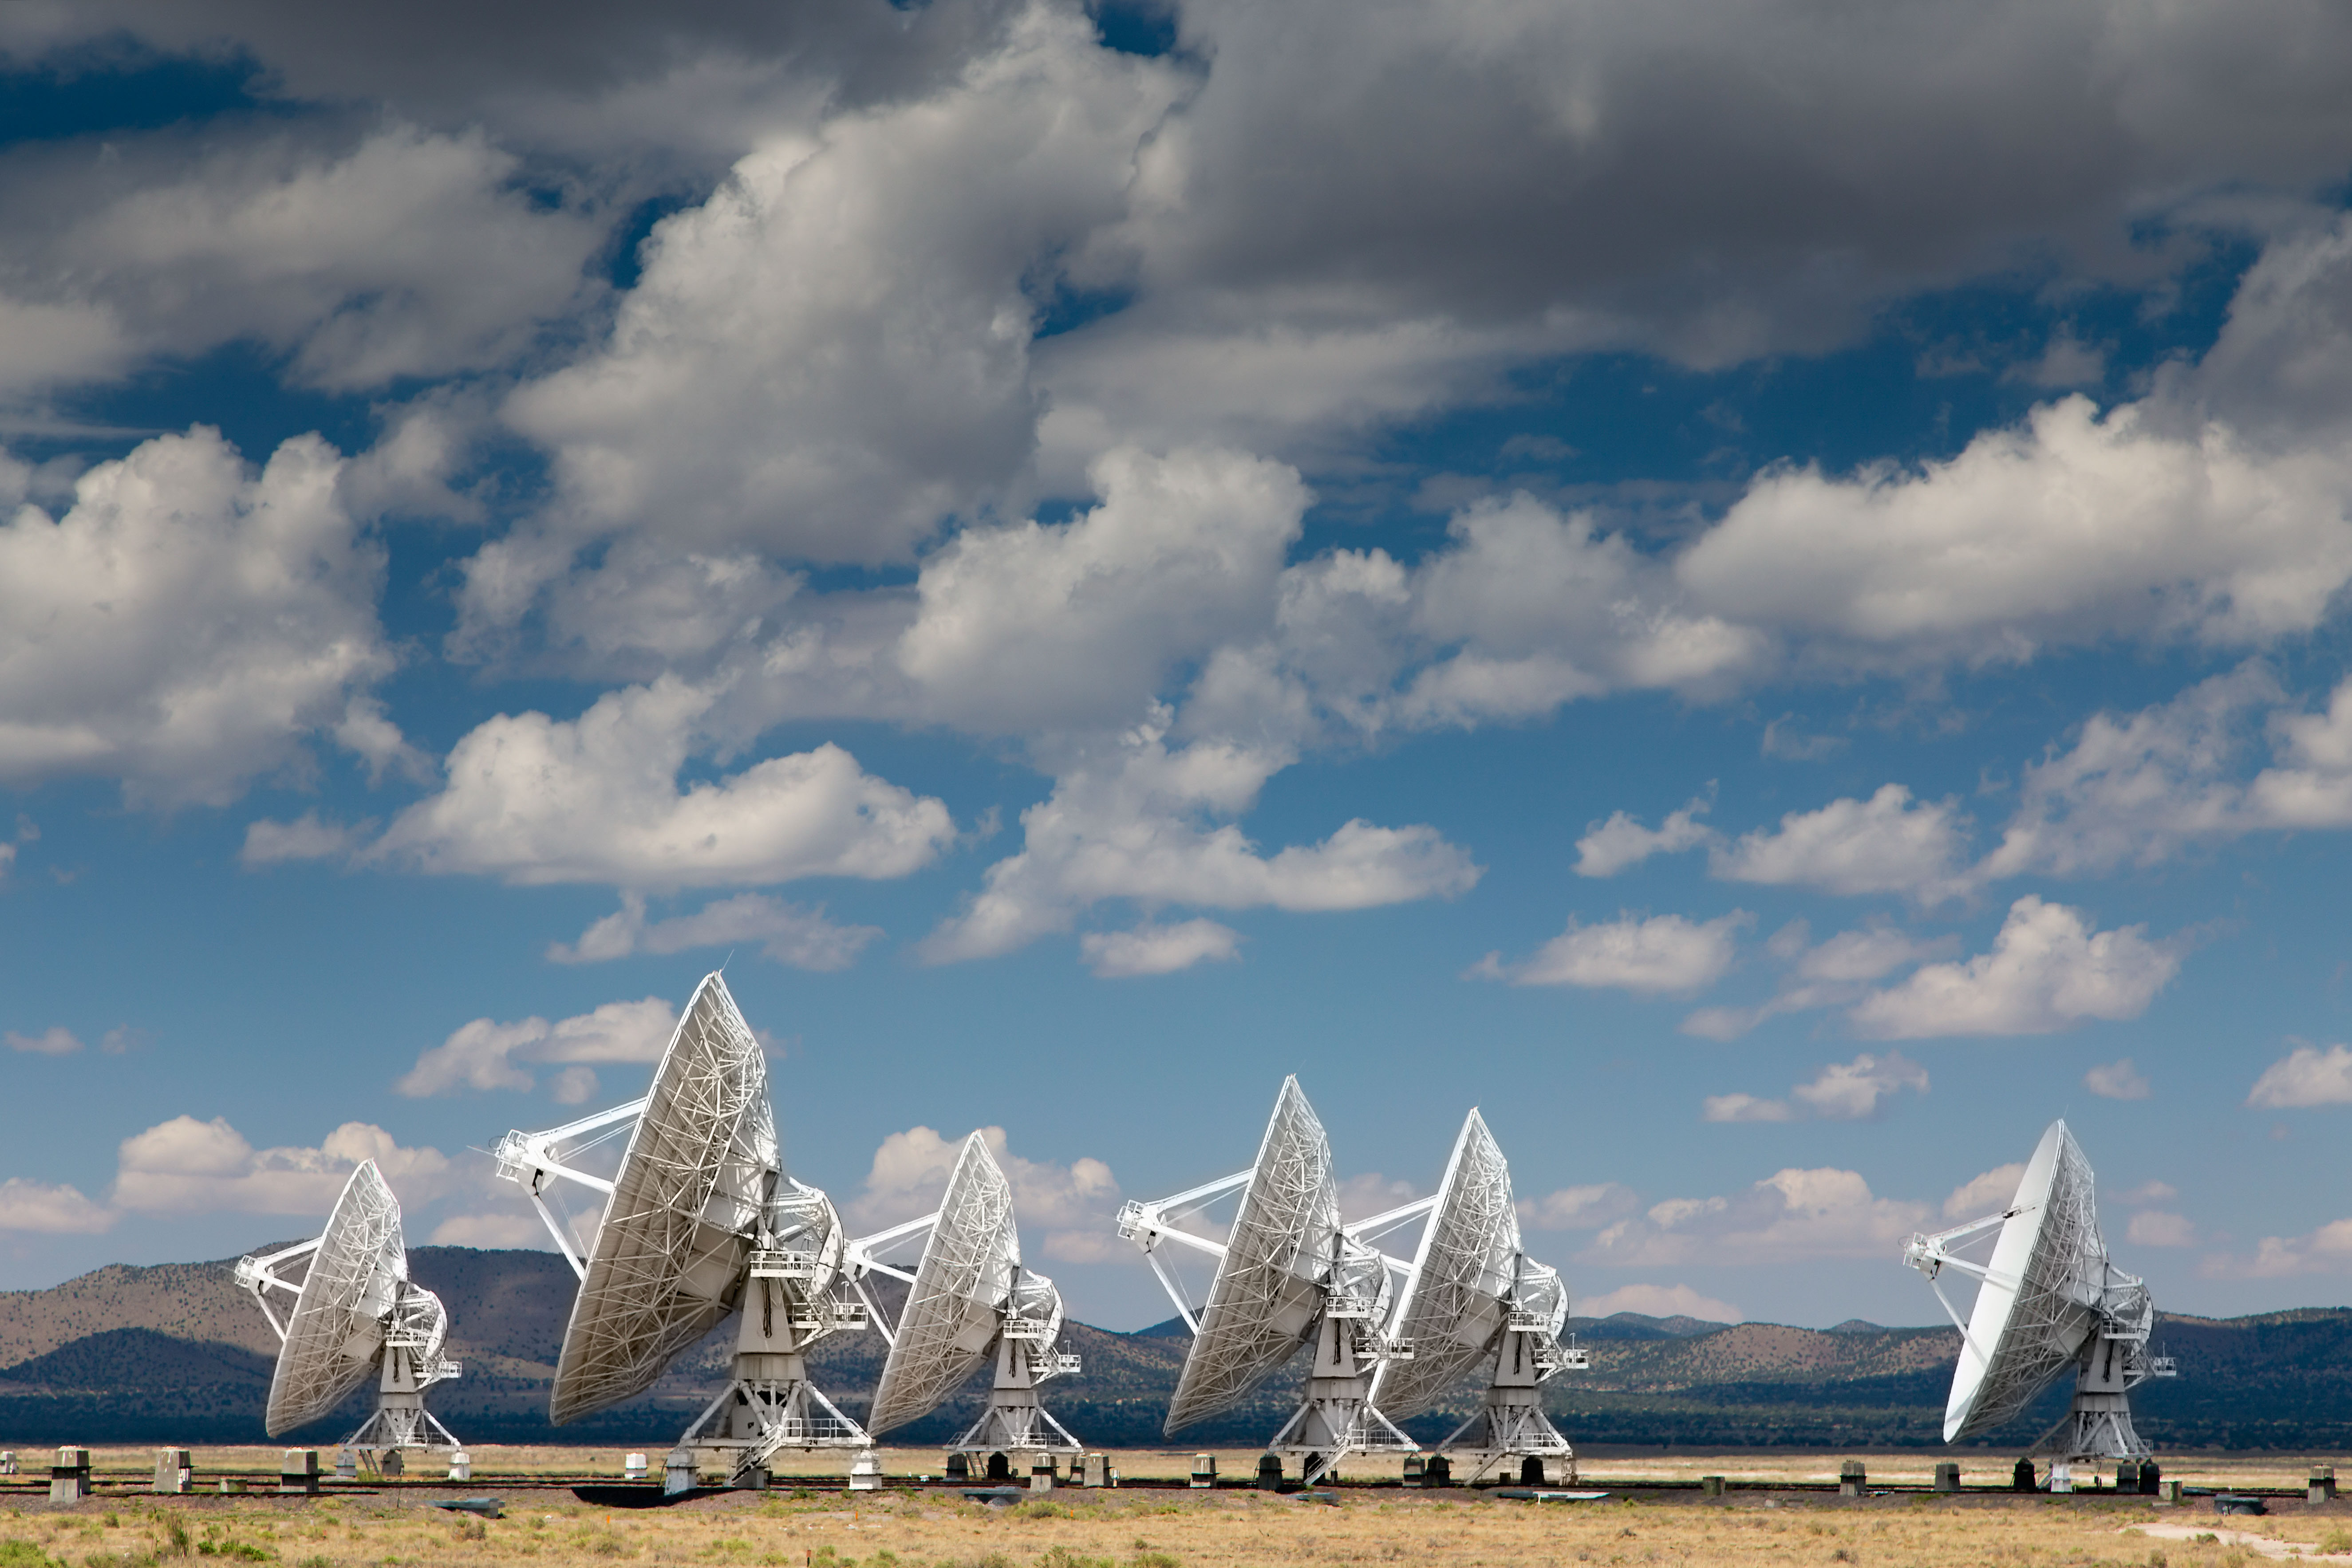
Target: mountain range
{"points": [[176, 1352]]}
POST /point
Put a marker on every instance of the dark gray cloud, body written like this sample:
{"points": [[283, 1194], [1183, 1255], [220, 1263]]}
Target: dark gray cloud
{"points": [[642, 84], [1715, 181], [361, 255]]}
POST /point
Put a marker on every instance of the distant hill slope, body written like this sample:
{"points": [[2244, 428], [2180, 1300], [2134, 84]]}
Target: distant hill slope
{"points": [[176, 1352], [187, 1301], [138, 1360]]}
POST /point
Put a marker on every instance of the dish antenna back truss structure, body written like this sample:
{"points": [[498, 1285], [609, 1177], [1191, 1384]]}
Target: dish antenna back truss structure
{"points": [[701, 1221], [1473, 1296], [968, 1295], [2049, 1300], [1287, 1273], [355, 1312]]}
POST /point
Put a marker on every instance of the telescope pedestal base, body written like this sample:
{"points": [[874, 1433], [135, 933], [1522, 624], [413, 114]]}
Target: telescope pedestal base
{"points": [[1512, 1426], [770, 1404], [755, 1418], [2099, 1426], [401, 1420], [1014, 1422], [400, 1427], [752, 1421], [1337, 1417]]}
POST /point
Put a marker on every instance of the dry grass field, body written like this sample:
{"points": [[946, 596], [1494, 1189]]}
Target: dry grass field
{"points": [[1146, 1526]]}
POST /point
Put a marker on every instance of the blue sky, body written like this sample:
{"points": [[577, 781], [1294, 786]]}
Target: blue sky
{"points": [[1760, 599]]}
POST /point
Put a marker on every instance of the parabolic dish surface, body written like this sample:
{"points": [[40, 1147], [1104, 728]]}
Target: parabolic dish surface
{"points": [[1269, 1284], [2035, 1306], [337, 1329], [961, 1285], [686, 1205], [1458, 1298]]}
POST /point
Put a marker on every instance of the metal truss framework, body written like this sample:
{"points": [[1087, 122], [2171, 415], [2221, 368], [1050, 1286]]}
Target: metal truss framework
{"points": [[701, 1221], [2051, 1299], [968, 1292], [355, 1311]]}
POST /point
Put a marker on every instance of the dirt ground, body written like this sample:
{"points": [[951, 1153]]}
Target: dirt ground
{"points": [[906, 1525], [1908, 1468]]}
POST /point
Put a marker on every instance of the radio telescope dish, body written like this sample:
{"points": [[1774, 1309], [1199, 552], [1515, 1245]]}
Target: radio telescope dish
{"points": [[355, 1315], [678, 1230], [1287, 1273], [1473, 1297], [1457, 1297], [969, 1295], [701, 1221], [2050, 1299], [1267, 1292], [959, 1289]]}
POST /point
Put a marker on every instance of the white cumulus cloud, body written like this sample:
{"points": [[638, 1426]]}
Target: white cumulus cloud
{"points": [[187, 1167], [2305, 1076], [788, 933], [1888, 843], [1543, 609], [597, 800], [1745, 1107], [1657, 954], [308, 837], [54, 1041], [1867, 953], [1829, 975], [1151, 949], [1841, 1091], [2048, 970], [830, 355], [1989, 1193], [2074, 525], [1030, 624], [1610, 847], [486, 1054], [404, 253], [187, 623], [1789, 1215], [1136, 820], [1585, 1207], [2135, 789], [52, 1210], [2118, 1079]]}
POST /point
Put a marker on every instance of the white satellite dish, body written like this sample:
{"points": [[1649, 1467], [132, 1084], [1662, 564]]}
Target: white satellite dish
{"points": [[1287, 1273], [968, 1295], [1473, 1297], [2050, 1299], [355, 1313], [699, 1221]]}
